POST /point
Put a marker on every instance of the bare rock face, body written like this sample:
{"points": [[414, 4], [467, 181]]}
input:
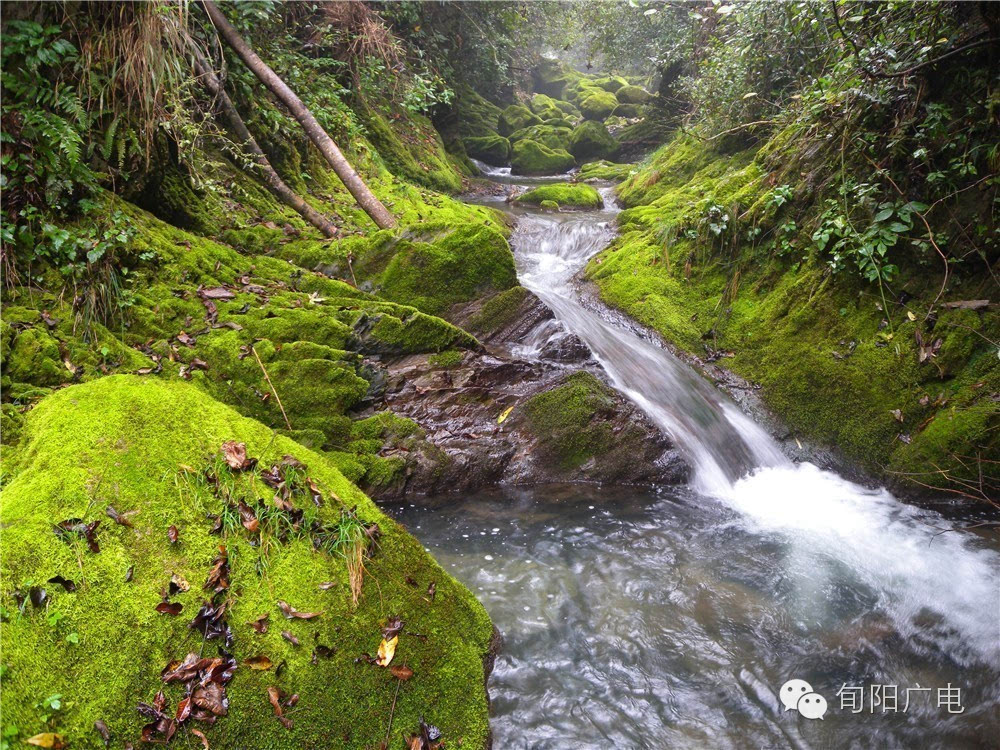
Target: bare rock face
{"points": [[491, 416]]}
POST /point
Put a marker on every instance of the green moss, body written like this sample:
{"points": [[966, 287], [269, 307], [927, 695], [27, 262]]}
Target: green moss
{"points": [[475, 116], [545, 107], [492, 149], [122, 441], [449, 358], [606, 170], [253, 240], [531, 158], [416, 153], [498, 311], [565, 420], [632, 95], [611, 84], [549, 206], [591, 140], [554, 137], [564, 194], [552, 76], [34, 357], [627, 111], [596, 105], [515, 117]]}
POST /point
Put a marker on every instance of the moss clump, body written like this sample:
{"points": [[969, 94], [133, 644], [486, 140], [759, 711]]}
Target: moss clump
{"points": [[591, 140], [567, 420], [597, 105], [549, 206], [432, 270], [545, 107], [492, 149], [627, 111], [449, 358], [552, 136], [632, 95], [498, 311], [475, 117], [564, 194], [532, 158], [606, 170], [422, 159], [515, 117], [611, 84], [124, 442]]}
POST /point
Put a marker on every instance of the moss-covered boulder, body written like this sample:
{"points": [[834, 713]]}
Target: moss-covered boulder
{"points": [[414, 151], [564, 194], [492, 149], [610, 83], [533, 158], [545, 107], [632, 95], [475, 116], [627, 111], [549, 206], [605, 170], [591, 140], [515, 117], [553, 136], [552, 76], [596, 105], [102, 614]]}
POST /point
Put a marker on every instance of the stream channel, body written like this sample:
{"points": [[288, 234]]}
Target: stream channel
{"points": [[671, 617]]}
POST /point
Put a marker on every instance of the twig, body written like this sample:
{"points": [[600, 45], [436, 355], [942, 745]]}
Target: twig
{"points": [[275, 392], [392, 711]]}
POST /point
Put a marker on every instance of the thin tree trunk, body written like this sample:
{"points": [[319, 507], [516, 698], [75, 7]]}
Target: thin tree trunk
{"points": [[239, 129], [362, 194]]}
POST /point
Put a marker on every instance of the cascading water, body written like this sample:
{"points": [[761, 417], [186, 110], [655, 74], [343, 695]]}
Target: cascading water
{"points": [[642, 620]]}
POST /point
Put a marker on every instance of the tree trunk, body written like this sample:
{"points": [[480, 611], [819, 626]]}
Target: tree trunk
{"points": [[365, 198], [273, 180]]}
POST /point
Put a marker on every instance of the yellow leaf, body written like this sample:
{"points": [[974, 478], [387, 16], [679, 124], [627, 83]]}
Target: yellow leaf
{"points": [[910, 315], [47, 739], [386, 650], [506, 413]]}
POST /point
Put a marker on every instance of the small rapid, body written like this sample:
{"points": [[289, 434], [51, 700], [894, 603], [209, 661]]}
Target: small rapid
{"points": [[671, 618]]}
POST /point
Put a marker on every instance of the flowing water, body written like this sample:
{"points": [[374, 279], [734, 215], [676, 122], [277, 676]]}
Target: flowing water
{"points": [[672, 618]]}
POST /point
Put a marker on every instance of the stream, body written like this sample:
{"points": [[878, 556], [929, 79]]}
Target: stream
{"points": [[672, 617]]}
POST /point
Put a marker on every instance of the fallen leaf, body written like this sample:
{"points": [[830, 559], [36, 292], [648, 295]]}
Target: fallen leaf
{"points": [[289, 637], [217, 292], [201, 736], [327, 585], [261, 623], [393, 627], [48, 740], [185, 339], [504, 414], [274, 695], [386, 650], [249, 517], [211, 697], [432, 590], [258, 663], [210, 621], [117, 517], [177, 585], [236, 455], [401, 672], [77, 527], [290, 613], [173, 534], [67, 584], [169, 608], [102, 729], [218, 576], [898, 414], [183, 710]]}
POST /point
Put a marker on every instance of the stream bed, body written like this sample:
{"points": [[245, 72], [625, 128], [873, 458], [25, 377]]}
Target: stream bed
{"points": [[673, 617]]}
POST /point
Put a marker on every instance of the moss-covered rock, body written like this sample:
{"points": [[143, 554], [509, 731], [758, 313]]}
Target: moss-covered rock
{"points": [[606, 170], [596, 105], [515, 117], [553, 136], [612, 84], [549, 206], [551, 77], [627, 111], [532, 158], [564, 194], [632, 95], [143, 447], [476, 117], [491, 149], [591, 140]]}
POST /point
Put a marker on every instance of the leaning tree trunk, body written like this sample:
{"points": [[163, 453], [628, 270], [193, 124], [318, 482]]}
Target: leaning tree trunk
{"points": [[239, 129], [362, 194]]}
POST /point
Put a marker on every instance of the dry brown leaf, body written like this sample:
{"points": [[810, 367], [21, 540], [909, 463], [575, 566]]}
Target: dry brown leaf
{"points": [[259, 662], [401, 672]]}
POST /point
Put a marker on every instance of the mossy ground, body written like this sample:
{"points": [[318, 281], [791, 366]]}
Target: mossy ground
{"points": [[831, 362], [124, 441]]}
